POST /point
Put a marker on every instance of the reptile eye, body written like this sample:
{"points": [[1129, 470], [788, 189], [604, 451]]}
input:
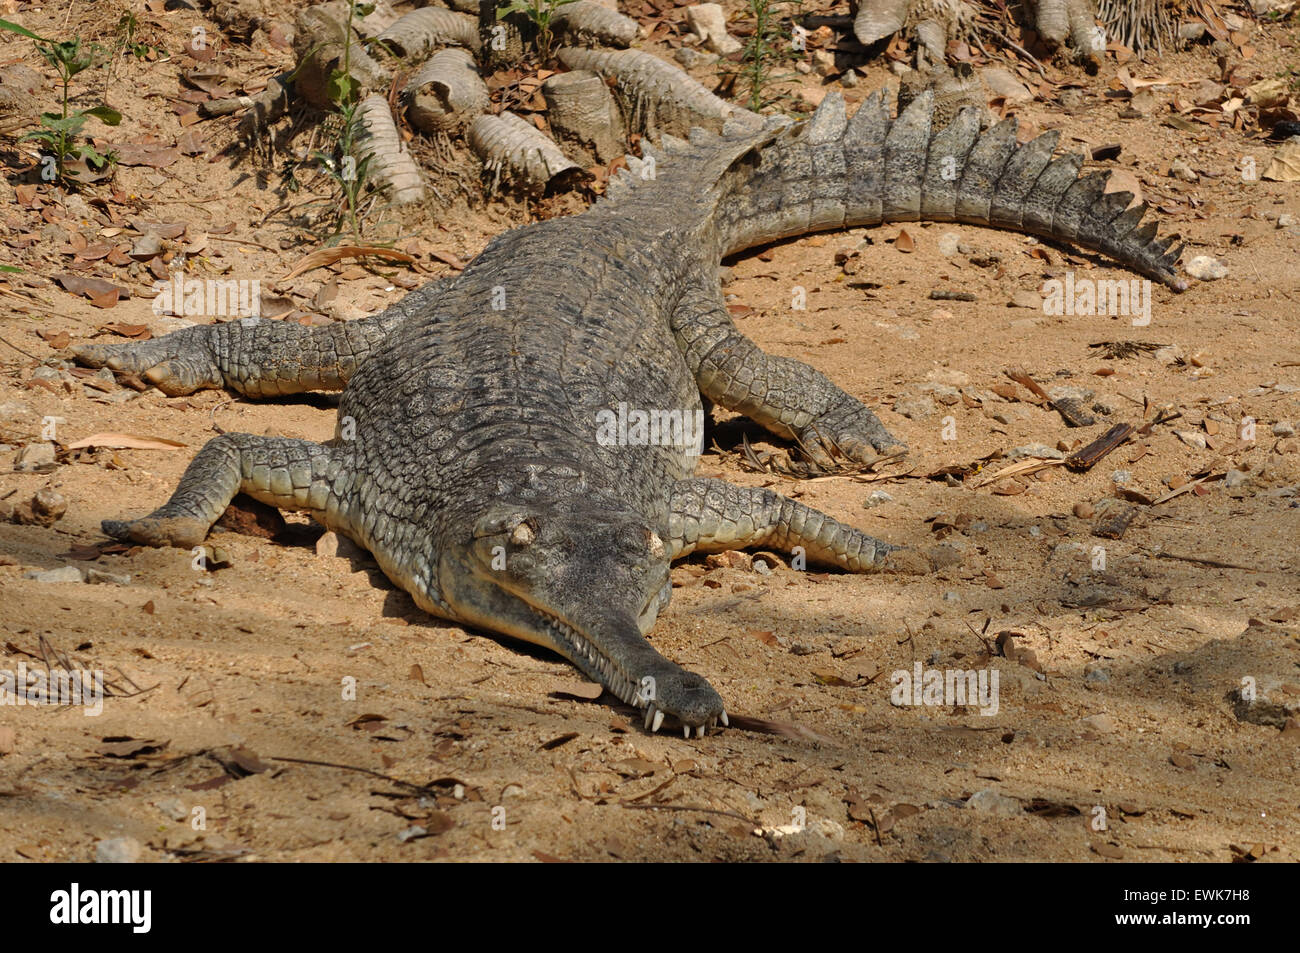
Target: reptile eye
{"points": [[522, 535]]}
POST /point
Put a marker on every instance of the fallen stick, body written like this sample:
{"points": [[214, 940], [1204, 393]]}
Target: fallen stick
{"points": [[1085, 458]]}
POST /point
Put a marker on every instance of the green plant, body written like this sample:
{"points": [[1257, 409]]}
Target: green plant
{"points": [[60, 132], [127, 28], [347, 172], [760, 54], [340, 164], [342, 87], [540, 13]]}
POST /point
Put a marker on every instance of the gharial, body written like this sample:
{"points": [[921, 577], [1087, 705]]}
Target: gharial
{"points": [[467, 457]]}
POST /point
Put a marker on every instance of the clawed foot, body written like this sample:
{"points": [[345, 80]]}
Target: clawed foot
{"points": [[177, 363], [183, 532], [860, 439]]}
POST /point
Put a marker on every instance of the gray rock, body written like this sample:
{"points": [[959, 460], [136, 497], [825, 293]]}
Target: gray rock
{"points": [[1096, 675], [52, 374], [876, 498], [98, 576], [688, 58], [949, 244], [1071, 392], [118, 850], [990, 801], [943, 393], [1120, 477], [1205, 268], [1284, 428], [13, 410], [173, 807], [33, 457], [1235, 478], [146, 247], [62, 574], [1181, 170], [915, 407]]}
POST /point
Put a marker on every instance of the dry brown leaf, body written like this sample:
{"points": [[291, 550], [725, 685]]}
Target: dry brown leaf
{"points": [[904, 242], [831, 678], [90, 287], [137, 332], [55, 339], [328, 256], [1020, 468], [106, 300], [125, 441], [1285, 166]]}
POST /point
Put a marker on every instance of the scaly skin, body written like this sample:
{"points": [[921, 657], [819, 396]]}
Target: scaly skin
{"points": [[469, 456]]}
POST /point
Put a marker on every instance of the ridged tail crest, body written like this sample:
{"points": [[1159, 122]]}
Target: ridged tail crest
{"points": [[834, 171]]}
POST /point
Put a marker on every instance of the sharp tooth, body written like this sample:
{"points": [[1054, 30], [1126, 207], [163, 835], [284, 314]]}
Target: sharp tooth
{"points": [[699, 731], [723, 719], [649, 714], [659, 720]]}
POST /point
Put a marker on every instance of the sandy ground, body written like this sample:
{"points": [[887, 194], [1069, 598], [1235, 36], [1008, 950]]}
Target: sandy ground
{"points": [[1115, 736]]}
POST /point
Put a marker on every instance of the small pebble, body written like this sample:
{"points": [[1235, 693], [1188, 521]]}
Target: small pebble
{"points": [[62, 574], [1205, 268], [990, 801], [117, 850]]}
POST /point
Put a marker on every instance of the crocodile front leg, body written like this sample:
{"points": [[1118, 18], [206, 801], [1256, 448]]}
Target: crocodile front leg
{"points": [[788, 397], [257, 357], [290, 474], [713, 515]]}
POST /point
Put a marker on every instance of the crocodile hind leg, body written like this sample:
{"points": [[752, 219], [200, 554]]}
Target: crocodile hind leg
{"points": [[256, 357], [712, 515], [786, 396], [289, 474]]}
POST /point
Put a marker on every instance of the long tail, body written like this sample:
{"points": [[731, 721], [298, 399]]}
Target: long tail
{"points": [[833, 172]]}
